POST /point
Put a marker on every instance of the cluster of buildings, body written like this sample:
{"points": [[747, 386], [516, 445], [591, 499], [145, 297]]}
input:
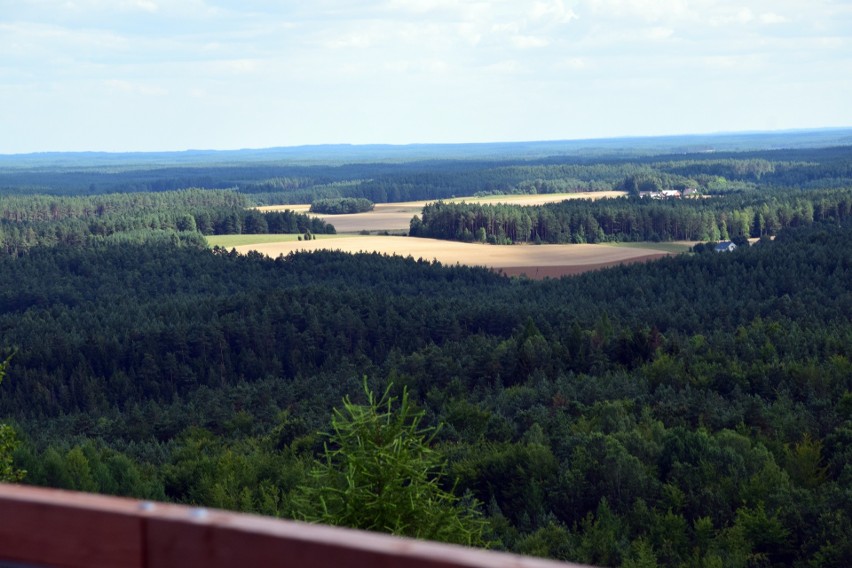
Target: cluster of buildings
{"points": [[669, 193]]}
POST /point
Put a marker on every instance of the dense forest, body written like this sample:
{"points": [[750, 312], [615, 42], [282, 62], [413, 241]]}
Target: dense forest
{"points": [[695, 411], [28, 221], [341, 205]]}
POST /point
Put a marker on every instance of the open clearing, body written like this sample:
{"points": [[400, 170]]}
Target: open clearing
{"points": [[230, 241], [536, 261], [397, 216]]}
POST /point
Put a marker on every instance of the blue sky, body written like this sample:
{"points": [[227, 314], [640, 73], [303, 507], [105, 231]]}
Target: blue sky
{"points": [[139, 75]]}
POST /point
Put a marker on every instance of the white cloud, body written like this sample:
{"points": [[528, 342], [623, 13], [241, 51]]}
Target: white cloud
{"points": [[574, 64], [438, 10], [352, 41], [506, 27], [422, 66], [734, 16], [527, 42], [47, 43], [505, 67], [130, 87], [773, 18], [235, 66], [647, 10], [470, 32], [659, 33], [736, 63], [143, 5], [554, 11]]}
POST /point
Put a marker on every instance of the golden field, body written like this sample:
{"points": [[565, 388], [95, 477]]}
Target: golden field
{"points": [[397, 216], [532, 260], [535, 261]]}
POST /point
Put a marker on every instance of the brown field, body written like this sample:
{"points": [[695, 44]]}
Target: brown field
{"points": [[536, 261], [542, 272], [397, 216]]}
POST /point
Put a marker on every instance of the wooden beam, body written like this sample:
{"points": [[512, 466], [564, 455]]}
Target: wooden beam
{"points": [[64, 529]]}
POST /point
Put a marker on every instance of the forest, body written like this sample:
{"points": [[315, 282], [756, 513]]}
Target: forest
{"points": [[753, 214], [713, 164], [694, 411], [341, 205], [39, 220]]}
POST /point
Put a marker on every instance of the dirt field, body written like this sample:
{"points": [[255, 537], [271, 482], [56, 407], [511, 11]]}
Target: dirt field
{"points": [[542, 272], [397, 216], [535, 261]]}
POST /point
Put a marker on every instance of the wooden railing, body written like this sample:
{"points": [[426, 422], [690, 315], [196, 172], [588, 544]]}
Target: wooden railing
{"points": [[54, 528]]}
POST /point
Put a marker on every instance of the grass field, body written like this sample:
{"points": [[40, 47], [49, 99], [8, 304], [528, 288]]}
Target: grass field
{"points": [[670, 247], [230, 241], [532, 260], [397, 216]]}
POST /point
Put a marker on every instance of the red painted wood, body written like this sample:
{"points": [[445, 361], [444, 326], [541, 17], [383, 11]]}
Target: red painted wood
{"points": [[79, 530], [66, 529]]}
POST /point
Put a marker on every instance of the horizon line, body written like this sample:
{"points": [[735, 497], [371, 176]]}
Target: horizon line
{"points": [[391, 145]]}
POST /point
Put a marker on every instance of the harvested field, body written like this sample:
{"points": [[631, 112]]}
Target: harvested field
{"points": [[536, 261], [539, 199], [542, 272], [397, 216]]}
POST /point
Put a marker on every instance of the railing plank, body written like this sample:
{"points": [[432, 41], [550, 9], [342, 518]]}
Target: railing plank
{"points": [[64, 529]]}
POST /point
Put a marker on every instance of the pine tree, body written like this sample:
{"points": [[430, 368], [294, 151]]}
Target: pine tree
{"points": [[379, 473]]}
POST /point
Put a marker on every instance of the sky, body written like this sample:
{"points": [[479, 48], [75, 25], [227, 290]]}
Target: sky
{"points": [[156, 75]]}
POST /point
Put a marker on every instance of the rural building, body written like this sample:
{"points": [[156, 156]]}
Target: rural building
{"points": [[663, 194], [725, 246]]}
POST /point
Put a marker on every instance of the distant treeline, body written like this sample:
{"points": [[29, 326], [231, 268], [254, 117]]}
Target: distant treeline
{"points": [[40, 208], [634, 219], [341, 205], [26, 222], [380, 182]]}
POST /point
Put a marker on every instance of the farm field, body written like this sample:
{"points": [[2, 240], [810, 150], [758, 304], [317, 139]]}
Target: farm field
{"points": [[536, 261], [673, 247], [397, 216], [229, 241]]}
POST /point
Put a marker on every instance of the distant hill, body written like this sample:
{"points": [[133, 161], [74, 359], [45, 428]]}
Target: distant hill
{"points": [[389, 173], [348, 153]]}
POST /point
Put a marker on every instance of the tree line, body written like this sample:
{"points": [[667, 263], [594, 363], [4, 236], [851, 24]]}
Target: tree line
{"points": [[30, 221], [341, 205], [634, 219]]}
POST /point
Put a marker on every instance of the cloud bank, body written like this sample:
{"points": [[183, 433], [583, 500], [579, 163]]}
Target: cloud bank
{"points": [[154, 75]]}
